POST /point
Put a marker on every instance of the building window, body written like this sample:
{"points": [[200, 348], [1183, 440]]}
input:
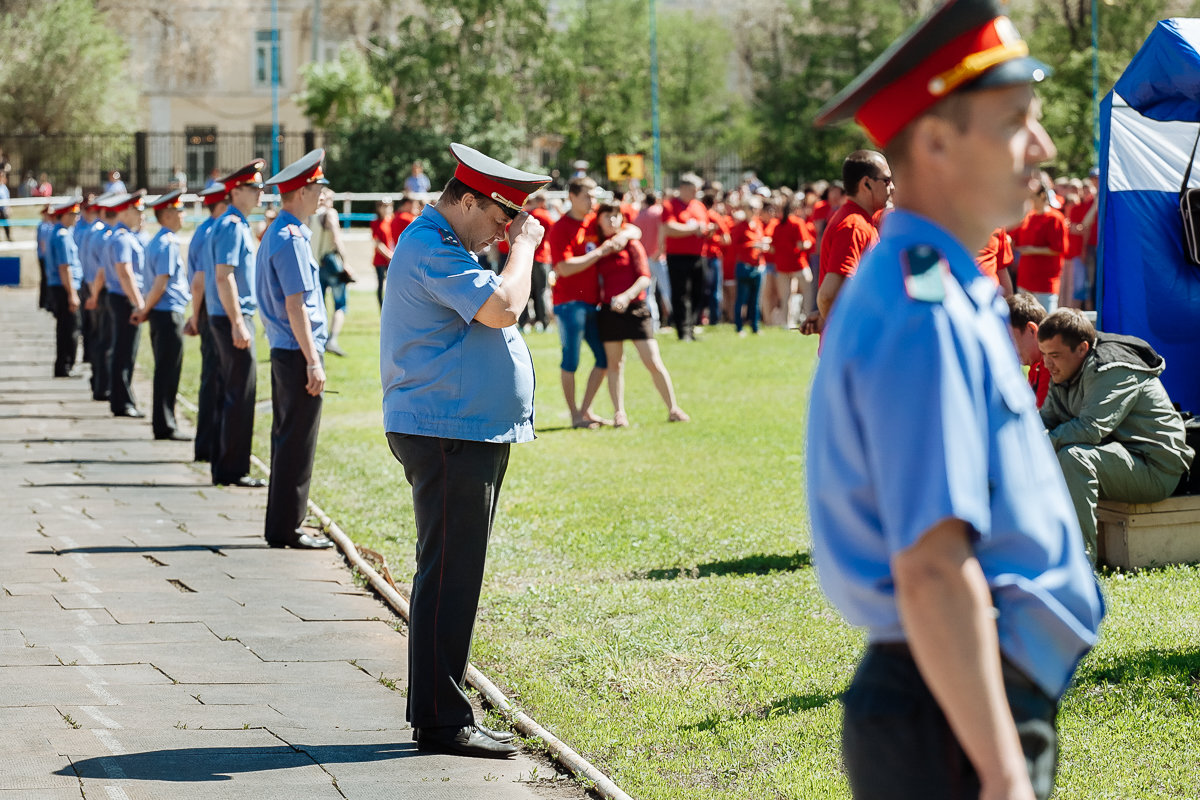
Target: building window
{"points": [[200, 153], [262, 58], [262, 144]]}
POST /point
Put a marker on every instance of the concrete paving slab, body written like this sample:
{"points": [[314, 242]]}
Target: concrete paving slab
{"points": [[150, 601]]}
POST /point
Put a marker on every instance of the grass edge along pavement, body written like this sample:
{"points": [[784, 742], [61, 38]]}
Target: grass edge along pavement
{"points": [[580, 769], [649, 590]]}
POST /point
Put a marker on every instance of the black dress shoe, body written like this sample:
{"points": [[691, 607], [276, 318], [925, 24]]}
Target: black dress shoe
{"points": [[499, 736], [303, 541], [245, 482], [173, 436], [465, 741], [129, 412]]}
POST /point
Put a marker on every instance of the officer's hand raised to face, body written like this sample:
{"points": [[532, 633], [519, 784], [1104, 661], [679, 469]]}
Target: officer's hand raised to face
{"points": [[527, 226]]}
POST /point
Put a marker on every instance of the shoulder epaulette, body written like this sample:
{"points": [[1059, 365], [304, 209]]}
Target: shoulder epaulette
{"points": [[925, 270]]}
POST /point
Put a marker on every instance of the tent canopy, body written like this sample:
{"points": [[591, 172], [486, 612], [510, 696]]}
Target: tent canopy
{"points": [[1149, 125]]}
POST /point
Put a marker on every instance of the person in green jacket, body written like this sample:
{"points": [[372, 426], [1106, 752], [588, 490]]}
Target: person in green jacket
{"points": [[1109, 418]]}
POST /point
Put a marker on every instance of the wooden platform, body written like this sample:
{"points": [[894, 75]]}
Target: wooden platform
{"points": [[1147, 535]]}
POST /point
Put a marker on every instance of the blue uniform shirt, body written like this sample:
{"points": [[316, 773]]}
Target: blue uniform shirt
{"points": [[920, 413], [44, 230], [198, 249], [94, 251], [163, 257], [124, 248], [60, 250], [230, 244], [286, 266], [80, 228], [443, 374]]}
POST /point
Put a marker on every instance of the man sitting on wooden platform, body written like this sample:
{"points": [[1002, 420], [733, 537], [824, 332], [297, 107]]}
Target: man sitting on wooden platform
{"points": [[1109, 418]]}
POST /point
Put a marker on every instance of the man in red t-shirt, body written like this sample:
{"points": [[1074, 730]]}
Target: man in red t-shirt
{"points": [[536, 206], [1025, 315], [576, 293], [995, 259], [1041, 241], [686, 226], [850, 233], [384, 234]]}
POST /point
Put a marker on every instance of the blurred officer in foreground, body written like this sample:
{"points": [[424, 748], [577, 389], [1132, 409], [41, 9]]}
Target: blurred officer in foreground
{"points": [[216, 200], [293, 312], [167, 297], [229, 297], [63, 279], [941, 521], [123, 274], [457, 391]]}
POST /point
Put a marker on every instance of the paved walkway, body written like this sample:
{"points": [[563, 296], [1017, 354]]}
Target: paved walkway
{"points": [[151, 646]]}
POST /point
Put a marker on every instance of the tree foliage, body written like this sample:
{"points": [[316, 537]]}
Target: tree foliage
{"points": [[1061, 35], [62, 70]]}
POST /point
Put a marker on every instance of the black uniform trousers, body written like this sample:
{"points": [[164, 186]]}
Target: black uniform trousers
{"points": [[66, 332], [166, 340], [234, 430], [296, 418], [102, 348], [687, 275], [87, 322], [125, 341], [455, 487], [897, 743], [211, 390]]}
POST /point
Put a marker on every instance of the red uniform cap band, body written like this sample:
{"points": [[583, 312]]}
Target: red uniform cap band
{"points": [[507, 196], [959, 61], [67, 208], [291, 185]]}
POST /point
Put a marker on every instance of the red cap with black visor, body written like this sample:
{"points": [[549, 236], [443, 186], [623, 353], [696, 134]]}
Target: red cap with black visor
{"points": [[121, 202], [507, 186], [963, 45]]}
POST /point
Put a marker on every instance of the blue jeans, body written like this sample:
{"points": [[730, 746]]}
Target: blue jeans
{"points": [[576, 324], [330, 274], [749, 283], [714, 296]]}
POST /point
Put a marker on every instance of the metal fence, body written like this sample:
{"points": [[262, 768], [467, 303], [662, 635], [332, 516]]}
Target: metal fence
{"points": [[83, 161]]}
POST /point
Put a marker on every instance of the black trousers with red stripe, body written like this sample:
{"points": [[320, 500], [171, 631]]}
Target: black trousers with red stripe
{"points": [[455, 486]]}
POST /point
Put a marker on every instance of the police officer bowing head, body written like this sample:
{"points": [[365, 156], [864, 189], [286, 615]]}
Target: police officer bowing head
{"points": [[941, 520], [457, 392]]}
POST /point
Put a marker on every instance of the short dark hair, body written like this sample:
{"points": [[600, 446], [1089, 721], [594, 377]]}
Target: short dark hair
{"points": [[858, 165], [1071, 325], [954, 109], [580, 185], [1024, 308], [455, 190]]}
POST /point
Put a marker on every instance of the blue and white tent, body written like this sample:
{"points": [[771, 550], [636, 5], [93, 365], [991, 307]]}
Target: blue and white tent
{"points": [[1149, 124]]}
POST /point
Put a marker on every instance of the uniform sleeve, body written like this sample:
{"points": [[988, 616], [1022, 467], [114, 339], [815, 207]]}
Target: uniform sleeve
{"points": [[927, 441], [291, 265], [160, 259], [226, 246], [456, 280], [122, 249], [1108, 398], [55, 253]]}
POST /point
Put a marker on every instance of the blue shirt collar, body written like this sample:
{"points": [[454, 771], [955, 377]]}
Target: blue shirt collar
{"points": [[234, 210], [286, 218], [908, 225], [120, 226], [433, 215]]}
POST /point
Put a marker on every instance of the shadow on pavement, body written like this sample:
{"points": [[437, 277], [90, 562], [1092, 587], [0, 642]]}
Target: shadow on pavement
{"points": [[192, 764], [169, 548]]}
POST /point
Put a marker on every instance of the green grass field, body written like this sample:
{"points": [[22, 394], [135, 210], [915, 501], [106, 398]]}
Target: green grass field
{"points": [[650, 597]]}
